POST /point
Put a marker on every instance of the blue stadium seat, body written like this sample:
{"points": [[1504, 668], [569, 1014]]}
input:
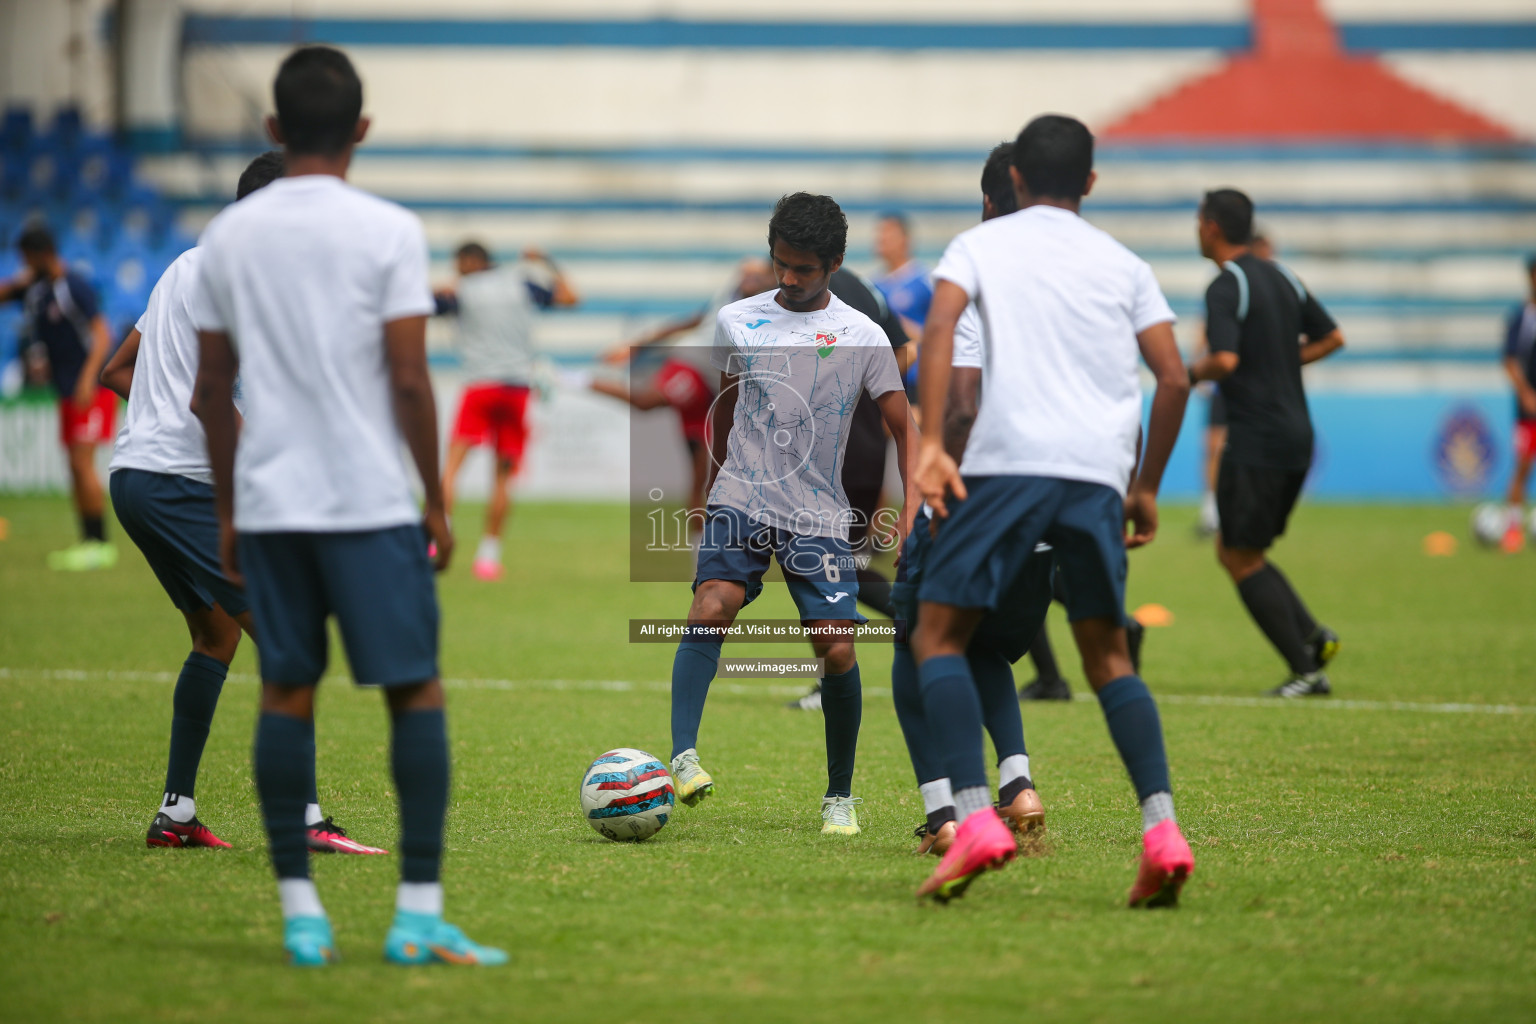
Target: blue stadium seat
{"points": [[15, 129]]}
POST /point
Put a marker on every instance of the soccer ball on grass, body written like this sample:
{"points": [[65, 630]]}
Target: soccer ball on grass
{"points": [[627, 795]]}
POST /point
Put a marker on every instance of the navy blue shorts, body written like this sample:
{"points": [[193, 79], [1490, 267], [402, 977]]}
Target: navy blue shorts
{"points": [[172, 520], [378, 584], [820, 571], [1012, 626], [986, 543]]}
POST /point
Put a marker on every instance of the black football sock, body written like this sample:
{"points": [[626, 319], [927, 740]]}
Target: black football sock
{"points": [[842, 704], [92, 528], [1043, 658], [192, 707], [875, 591], [1272, 604], [1304, 620], [282, 780], [419, 758]]}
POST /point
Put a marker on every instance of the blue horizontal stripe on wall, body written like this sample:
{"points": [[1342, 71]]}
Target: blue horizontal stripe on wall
{"points": [[1108, 153], [1440, 35], [915, 205], [735, 35], [200, 29], [931, 254]]}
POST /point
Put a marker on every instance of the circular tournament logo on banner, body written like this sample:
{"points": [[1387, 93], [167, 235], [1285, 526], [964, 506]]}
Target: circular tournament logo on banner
{"points": [[1464, 451]]}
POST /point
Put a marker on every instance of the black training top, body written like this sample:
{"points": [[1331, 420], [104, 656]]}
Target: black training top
{"points": [[864, 465], [1520, 344], [1260, 310], [59, 315]]}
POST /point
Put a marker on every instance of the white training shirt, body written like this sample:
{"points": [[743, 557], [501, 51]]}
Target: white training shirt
{"points": [[159, 432], [498, 314], [1061, 303], [303, 275], [967, 348]]}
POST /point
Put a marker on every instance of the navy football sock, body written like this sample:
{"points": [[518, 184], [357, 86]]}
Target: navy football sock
{"points": [[953, 712], [283, 770], [197, 695], [842, 705], [999, 701], [419, 759], [693, 668], [907, 695], [314, 788], [1272, 604], [1131, 714]]}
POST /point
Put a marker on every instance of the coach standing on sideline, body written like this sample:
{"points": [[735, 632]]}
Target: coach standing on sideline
{"points": [[1257, 312]]}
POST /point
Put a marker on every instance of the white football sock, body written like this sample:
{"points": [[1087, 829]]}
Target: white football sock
{"points": [[300, 898], [489, 550], [312, 815], [1011, 768], [1155, 810], [936, 795], [420, 898], [180, 809], [970, 800]]}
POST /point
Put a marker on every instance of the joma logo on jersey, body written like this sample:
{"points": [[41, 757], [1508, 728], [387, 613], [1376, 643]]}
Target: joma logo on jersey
{"points": [[824, 343], [754, 325]]}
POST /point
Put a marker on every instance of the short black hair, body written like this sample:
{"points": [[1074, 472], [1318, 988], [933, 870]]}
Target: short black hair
{"points": [[319, 99], [1232, 212], [474, 251], [810, 223], [1054, 155], [996, 182], [260, 173], [36, 238]]}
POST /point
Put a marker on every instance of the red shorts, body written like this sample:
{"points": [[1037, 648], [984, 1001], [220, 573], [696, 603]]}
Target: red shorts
{"points": [[686, 390], [1525, 439], [494, 415], [96, 424]]}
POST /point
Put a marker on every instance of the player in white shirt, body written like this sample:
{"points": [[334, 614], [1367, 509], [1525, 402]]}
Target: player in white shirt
{"points": [[1051, 457], [162, 492], [793, 363], [1003, 636], [316, 293]]}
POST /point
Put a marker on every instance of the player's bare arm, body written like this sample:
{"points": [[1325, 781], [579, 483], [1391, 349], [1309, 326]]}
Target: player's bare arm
{"points": [[1213, 366], [938, 474], [213, 402], [90, 373], [903, 428], [1524, 393], [1161, 353], [1322, 348], [722, 418], [644, 399], [405, 350], [117, 375], [562, 294], [964, 403]]}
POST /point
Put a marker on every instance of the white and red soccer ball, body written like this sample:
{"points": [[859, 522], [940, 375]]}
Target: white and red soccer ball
{"points": [[627, 795]]}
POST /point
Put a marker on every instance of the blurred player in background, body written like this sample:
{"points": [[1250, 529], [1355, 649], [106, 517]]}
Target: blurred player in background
{"points": [[679, 384], [1520, 365], [63, 315], [1052, 457], [1216, 422], [906, 284], [162, 492], [496, 309], [793, 363], [1257, 312], [315, 508]]}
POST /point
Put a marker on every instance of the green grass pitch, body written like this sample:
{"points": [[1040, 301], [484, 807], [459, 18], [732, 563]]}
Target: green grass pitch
{"points": [[1357, 860]]}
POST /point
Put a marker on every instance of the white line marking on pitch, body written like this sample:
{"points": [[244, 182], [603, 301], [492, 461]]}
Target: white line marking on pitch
{"points": [[779, 689]]}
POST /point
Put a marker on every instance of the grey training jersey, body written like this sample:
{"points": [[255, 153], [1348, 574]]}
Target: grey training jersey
{"points": [[799, 377]]}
